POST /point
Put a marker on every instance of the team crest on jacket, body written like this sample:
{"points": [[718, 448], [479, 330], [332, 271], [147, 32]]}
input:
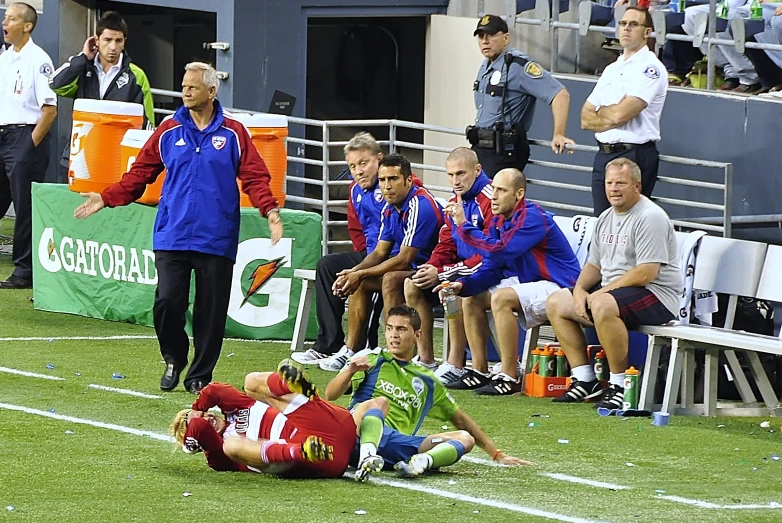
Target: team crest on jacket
{"points": [[378, 195], [122, 80], [218, 142]]}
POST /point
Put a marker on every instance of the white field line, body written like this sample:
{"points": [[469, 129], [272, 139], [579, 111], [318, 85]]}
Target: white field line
{"points": [[30, 374], [416, 487], [125, 391], [391, 483], [482, 461], [582, 481], [99, 424], [122, 337], [706, 504]]}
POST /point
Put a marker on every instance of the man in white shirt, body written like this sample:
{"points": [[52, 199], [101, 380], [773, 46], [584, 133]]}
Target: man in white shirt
{"points": [[625, 106], [28, 108]]}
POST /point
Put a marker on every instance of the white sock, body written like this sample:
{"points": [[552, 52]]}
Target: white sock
{"points": [[583, 373], [617, 379], [366, 449]]}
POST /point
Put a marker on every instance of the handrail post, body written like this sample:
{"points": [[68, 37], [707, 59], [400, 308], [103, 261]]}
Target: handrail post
{"points": [[711, 72], [554, 35], [325, 190], [728, 198], [392, 137]]}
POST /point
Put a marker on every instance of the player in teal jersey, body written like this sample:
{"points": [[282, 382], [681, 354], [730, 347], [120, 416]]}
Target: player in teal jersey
{"points": [[413, 393]]}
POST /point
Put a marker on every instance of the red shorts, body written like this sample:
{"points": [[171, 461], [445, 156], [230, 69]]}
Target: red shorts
{"points": [[334, 424]]}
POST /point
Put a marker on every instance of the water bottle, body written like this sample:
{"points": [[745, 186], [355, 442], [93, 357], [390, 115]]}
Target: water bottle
{"points": [[722, 9], [534, 360], [450, 304], [601, 369], [561, 363], [546, 363], [631, 389], [682, 5], [755, 10]]}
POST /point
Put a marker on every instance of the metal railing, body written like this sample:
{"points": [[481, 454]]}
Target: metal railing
{"points": [[325, 204], [705, 29]]}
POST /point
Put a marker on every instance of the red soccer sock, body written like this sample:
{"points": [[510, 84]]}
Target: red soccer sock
{"points": [[279, 452], [277, 386]]}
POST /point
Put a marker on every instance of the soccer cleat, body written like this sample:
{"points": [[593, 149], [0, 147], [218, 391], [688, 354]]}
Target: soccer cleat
{"points": [[417, 465], [471, 379], [368, 465], [580, 391], [295, 379], [308, 357], [335, 362], [314, 449], [612, 398], [500, 385], [431, 366]]}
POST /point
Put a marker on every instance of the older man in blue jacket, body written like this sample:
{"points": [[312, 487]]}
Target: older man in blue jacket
{"points": [[204, 151]]}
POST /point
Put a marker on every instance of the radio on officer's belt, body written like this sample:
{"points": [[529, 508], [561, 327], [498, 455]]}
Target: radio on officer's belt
{"points": [[506, 142]]}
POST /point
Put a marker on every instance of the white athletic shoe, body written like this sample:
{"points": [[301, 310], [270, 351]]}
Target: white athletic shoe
{"points": [[335, 362], [497, 368], [417, 465], [448, 373], [431, 366], [370, 464], [308, 357]]}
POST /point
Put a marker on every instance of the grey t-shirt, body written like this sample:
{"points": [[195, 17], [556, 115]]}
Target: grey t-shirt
{"points": [[644, 234]]}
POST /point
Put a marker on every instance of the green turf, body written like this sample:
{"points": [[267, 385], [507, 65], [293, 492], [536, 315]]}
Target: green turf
{"points": [[96, 474]]}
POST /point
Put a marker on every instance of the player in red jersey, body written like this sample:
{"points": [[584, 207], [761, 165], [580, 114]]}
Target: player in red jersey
{"points": [[281, 426]]}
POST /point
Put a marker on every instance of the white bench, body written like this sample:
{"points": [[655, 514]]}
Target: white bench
{"points": [[737, 268], [307, 277]]}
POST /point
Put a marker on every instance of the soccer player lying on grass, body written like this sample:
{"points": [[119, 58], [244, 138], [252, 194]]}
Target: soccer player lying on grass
{"points": [[412, 392], [286, 429]]}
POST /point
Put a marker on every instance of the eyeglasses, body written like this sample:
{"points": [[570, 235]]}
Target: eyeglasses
{"points": [[632, 25]]}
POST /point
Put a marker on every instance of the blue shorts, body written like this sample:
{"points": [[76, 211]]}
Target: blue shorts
{"points": [[394, 447]]}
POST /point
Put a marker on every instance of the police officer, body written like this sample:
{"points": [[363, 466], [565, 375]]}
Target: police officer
{"points": [[507, 86], [28, 108], [625, 106]]}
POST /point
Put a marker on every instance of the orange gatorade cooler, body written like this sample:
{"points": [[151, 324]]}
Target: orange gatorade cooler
{"points": [[269, 133], [132, 142], [98, 128]]}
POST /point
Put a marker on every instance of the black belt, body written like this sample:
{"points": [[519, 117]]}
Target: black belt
{"points": [[15, 126], [620, 147]]}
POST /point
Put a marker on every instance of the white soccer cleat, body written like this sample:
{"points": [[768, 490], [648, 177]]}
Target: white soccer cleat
{"points": [[308, 357], [417, 465], [335, 362], [370, 464]]}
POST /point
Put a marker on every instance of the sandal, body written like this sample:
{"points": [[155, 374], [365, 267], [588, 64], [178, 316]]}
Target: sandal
{"points": [[775, 89], [674, 80]]}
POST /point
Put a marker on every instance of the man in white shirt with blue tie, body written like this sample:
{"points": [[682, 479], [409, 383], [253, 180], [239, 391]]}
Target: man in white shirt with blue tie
{"points": [[625, 106]]}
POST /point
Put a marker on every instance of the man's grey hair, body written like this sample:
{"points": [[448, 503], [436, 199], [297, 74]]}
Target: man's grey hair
{"points": [[362, 142], [208, 72], [621, 163]]}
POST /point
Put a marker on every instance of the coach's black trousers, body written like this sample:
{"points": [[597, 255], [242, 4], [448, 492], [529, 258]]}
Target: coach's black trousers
{"points": [[330, 308], [21, 163], [210, 308]]}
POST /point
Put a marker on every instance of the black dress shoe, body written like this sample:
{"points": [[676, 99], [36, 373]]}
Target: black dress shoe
{"points": [[170, 378], [195, 387], [16, 283]]}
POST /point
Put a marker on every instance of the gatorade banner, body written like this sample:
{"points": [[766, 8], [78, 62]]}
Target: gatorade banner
{"points": [[104, 267]]}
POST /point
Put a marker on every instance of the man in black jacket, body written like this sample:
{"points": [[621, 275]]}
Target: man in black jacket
{"points": [[103, 71]]}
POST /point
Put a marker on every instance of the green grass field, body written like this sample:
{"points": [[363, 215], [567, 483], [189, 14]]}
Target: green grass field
{"points": [[64, 470]]}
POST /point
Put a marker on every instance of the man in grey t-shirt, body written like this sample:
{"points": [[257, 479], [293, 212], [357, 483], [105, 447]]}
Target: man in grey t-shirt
{"points": [[631, 278]]}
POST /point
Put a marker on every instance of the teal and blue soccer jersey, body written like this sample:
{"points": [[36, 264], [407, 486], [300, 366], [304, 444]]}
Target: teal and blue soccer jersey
{"points": [[412, 391]]}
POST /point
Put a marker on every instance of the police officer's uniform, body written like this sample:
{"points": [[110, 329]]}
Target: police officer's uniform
{"points": [[644, 77], [505, 94], [24, 90]]}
